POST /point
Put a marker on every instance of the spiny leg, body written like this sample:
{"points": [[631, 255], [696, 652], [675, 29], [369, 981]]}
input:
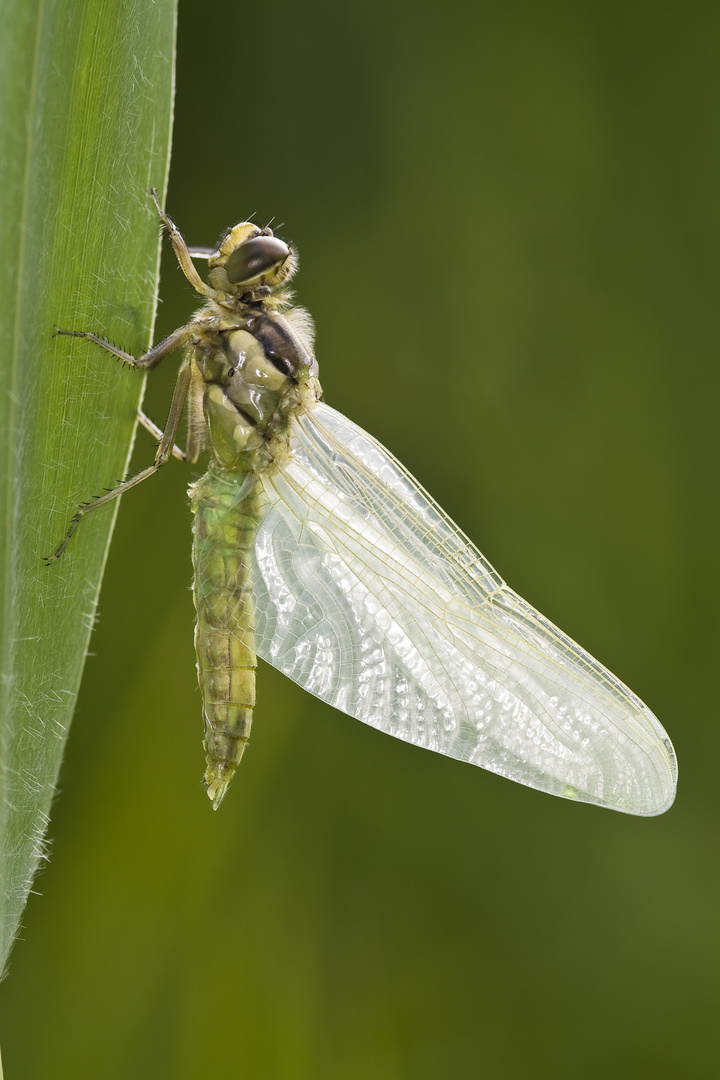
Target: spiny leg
{"points": [[149, 359], [163, 454], [158, 433], [182, 253]]}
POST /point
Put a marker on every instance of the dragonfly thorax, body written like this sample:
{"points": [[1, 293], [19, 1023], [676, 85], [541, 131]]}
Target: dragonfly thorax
{"points": [[253, 374]]}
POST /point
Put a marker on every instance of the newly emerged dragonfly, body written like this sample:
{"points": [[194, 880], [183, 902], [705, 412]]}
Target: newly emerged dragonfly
{"points": [[317, 551]]}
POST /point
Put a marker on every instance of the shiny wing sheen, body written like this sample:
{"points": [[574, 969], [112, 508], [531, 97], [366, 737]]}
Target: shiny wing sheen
{"points": [[368, 596]]}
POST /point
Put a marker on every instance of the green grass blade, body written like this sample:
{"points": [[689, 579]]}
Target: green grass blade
{"points": [[86, 89]]}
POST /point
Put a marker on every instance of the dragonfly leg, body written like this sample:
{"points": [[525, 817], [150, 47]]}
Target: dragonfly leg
{"points": [[163, 455], [182, 253], [157, 433], [149, 359]]}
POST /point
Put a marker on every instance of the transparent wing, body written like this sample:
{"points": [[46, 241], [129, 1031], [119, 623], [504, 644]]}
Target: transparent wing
{"points": [[369, 597]]}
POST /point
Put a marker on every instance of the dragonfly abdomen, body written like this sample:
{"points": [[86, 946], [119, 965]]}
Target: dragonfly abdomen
{"points": [[224, 532]]}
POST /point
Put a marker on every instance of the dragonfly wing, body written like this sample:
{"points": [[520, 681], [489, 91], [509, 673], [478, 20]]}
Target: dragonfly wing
{"points": [[368, 596]]}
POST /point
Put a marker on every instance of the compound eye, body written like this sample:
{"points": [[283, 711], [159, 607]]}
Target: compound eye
{"points": [[254, 258]]}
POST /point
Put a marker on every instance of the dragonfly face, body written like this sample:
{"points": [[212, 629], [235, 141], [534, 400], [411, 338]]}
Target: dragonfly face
{"points": [[317, 551], [249, 256]]}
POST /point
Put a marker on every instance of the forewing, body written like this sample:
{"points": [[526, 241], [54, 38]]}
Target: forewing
{"points": [[368, 596]]}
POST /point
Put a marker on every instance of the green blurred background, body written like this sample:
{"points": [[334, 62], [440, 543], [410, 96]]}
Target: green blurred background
{"points": [[507, 214]]}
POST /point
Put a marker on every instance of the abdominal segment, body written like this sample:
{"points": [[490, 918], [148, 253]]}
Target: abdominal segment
{"points": [[223, 536]]}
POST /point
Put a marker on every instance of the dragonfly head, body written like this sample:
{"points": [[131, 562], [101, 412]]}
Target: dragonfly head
{"points": [[249, 257]]}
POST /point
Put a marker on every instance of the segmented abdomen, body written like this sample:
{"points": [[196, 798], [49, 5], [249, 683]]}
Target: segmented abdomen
{"points": [[223, 534]]}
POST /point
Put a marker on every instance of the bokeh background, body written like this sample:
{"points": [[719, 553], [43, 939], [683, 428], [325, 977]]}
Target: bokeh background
{"points": [[507, 214]]}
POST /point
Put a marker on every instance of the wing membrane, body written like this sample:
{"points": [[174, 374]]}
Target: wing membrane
{"points": [[370, 597]]}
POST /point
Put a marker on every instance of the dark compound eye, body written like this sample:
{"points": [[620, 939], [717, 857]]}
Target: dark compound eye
{"points": [[254, 258]]}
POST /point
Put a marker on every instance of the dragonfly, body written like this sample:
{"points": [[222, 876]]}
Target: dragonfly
{"points": [[317, 551]]}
